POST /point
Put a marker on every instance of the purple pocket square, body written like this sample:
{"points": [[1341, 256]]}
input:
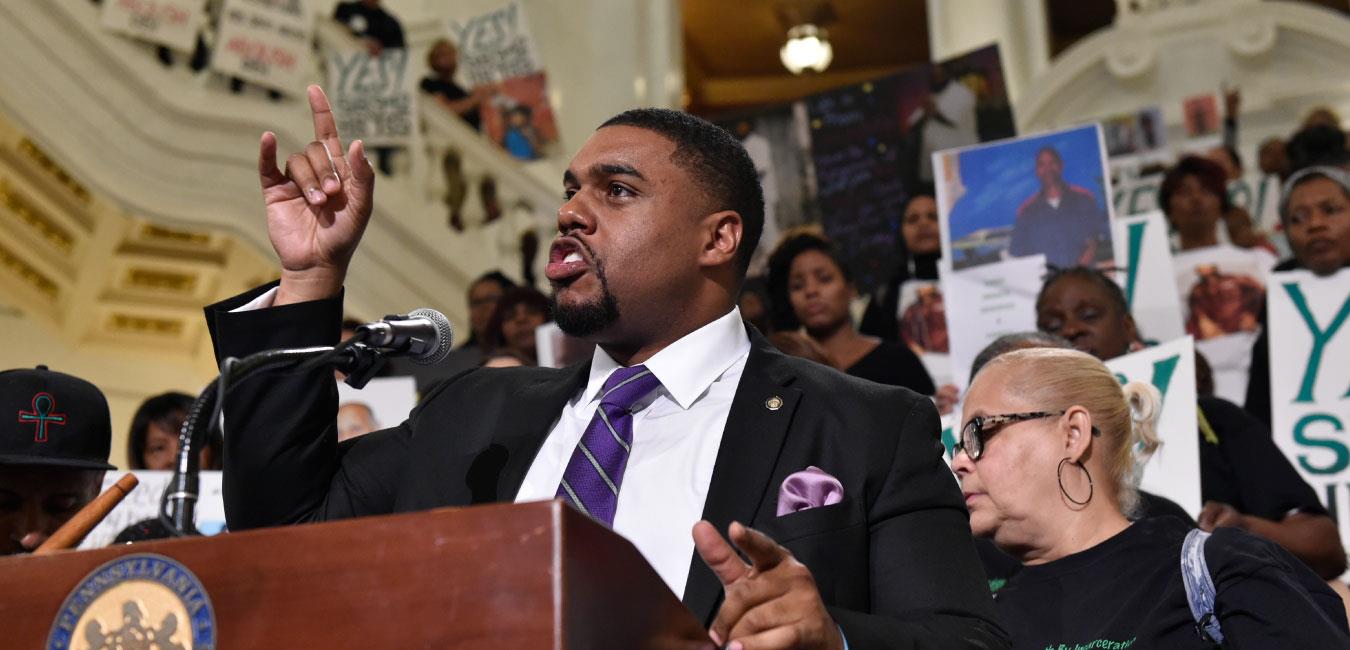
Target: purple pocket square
{"points": [[809, 488]]}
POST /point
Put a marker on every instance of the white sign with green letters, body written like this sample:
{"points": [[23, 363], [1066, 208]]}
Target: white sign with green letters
{"points": [[1310, 381], [1145, 259]]}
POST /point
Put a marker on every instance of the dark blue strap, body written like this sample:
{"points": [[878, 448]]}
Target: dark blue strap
{"points": [[1199, 585]]}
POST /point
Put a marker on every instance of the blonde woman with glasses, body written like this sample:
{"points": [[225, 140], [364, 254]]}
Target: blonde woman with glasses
{"points": [[1047, 461]]}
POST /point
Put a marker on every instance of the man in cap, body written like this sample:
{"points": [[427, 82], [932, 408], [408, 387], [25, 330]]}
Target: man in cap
{"points": [[55, 433]]}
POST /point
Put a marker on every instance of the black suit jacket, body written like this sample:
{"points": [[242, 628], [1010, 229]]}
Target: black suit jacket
{"points": [[894, 560]]}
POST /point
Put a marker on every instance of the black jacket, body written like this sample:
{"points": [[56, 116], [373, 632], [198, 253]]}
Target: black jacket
{"points": [[894, 560]]}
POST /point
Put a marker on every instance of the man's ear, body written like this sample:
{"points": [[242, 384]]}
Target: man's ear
{"points": [[722, 235], [1076, 426]]}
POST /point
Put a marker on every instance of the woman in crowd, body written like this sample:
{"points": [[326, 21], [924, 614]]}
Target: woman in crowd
{"points": [[519, 312], [923, 249], [1194, 196], [1315, 211], [1046, 462], [1245, 481], [153, 439], [819, 286]]}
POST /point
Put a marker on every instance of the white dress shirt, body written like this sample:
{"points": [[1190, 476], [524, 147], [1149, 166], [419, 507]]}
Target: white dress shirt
{"points": [[676, 433]]}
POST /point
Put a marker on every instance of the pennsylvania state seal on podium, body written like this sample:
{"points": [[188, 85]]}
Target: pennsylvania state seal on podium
{"points": [[141, 600]]}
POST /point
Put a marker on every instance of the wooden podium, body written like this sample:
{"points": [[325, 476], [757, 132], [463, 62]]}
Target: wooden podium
{"points": [[536, 575]]}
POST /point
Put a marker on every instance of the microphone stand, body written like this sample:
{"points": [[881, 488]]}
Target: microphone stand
{"points": [[178, 505]]}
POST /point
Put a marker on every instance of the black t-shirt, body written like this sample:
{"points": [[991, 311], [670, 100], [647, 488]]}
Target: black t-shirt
{"points": [[1127, 592], [894, 364], [451, 91], [1246, 469], [999, 567], [1258, 382], [370, 22]]}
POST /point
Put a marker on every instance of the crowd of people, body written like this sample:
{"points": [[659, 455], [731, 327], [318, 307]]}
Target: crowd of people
{"points": [[1046, 455]]}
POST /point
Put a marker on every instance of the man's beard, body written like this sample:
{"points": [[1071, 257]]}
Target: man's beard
{"points": [[585, 320]]}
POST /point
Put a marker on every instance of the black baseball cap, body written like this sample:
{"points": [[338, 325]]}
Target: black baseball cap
{"points": [[52, 419]]}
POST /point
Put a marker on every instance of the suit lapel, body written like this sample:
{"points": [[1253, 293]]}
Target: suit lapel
{"points": [[524, 429], [754, 434]]}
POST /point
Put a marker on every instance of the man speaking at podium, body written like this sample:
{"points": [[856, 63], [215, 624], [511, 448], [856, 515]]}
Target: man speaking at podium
{"points": [[684, 420]]}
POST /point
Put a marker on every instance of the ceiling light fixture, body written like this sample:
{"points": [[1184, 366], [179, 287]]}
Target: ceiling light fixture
{"points": [[807, 48]]}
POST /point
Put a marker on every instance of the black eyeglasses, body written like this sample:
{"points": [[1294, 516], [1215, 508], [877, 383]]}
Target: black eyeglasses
{"points": [[978, 430]]}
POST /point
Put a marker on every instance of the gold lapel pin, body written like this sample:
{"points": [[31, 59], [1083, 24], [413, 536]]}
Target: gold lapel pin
{"points": [[773, 403]]}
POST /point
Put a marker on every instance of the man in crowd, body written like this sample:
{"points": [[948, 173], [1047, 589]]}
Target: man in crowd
{"points": [[1061, 220], [683, 423], [55, 433]]}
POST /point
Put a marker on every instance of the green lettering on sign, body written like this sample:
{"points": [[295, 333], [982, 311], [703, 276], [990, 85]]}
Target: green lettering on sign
{"points": [[1135, 236], [949, 441], [1320, 338], [1163, 369], [1337, 447]]}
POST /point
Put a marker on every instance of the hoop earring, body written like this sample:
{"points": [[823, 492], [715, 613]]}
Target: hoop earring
{"points": [[1060, 475]]}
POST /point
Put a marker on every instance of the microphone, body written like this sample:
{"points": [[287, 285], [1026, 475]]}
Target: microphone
{"points": [[423, 335]]}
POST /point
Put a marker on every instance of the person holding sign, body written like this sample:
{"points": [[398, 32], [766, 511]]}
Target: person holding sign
{"points": [[1315, 212], [810, 272], [1245, 481], [443, 60], [1046, 461]]}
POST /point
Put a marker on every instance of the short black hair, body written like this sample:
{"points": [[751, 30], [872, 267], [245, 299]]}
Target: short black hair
{"points": [[514, 297], [493, 276], [167, 410], [1209, 174], [1317, 146], [780, 267], [1052, 151], [1113, 290], [716, 160]]}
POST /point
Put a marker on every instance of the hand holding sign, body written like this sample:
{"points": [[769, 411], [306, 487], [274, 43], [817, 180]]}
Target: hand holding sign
{"points": [[317, 209], [772, 603]]}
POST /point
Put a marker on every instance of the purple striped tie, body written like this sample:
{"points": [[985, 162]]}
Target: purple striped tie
{"points": [[595, 472]]}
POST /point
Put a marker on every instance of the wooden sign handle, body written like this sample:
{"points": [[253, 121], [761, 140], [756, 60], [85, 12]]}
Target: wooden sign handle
{"points": [[70, 534]]}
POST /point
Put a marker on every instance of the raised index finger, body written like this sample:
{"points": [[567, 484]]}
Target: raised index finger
{"points": [[325, 127]]}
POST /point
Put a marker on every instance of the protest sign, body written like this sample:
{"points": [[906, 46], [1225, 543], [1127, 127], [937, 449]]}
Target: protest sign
{"points": [[172, 23], [494, 42], [519, 117], [1144, 260], [1200, 115], [858, 184], [1133, 134], [143, 503], [496, 49], [372, 97], [383, 402], [1259, 195], [266, 42], [1043, 194], [922, 315], [1174, 470], [1310, 381], [996, 299], [1222, 289]]}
